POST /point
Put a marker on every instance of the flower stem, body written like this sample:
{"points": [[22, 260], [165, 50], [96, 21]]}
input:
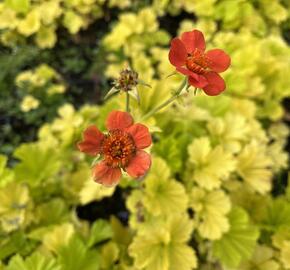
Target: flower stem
{"points": [[127, 102], [165, 103]]}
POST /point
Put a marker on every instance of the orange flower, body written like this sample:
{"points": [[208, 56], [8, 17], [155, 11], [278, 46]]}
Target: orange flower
{"points": [[188, 55], [120, 149]]}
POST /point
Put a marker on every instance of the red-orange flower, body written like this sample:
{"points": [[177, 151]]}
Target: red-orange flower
{"points": [[120, 149], [188, 55]]}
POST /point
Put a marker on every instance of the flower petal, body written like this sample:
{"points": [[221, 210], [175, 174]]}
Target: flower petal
{"points": [[216, 84], [199, 82], [194, 79], [139, 165], [187, 72], [119, 120], [177, 53], [105, 175], [92, 141], [219, 60], [141, 135], [193, 40]]}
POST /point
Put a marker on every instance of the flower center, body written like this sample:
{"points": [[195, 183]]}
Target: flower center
{"points": [[118, 148], [197, 62]]}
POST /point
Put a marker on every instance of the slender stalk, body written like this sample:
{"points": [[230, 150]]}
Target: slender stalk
{"points": [[165, 103], [127, 102]]}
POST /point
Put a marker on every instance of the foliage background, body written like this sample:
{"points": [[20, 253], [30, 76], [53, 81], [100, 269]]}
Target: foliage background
{"points": [[217, 196]]}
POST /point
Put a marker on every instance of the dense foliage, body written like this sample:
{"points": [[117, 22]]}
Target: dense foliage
{"points": [[217, 195]]}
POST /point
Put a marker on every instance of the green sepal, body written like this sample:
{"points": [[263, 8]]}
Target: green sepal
{"points": [[111, 92], [171, 74], [134, 94], [96, 160], [144, 83]]}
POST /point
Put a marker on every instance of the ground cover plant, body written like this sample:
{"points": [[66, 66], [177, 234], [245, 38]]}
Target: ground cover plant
{"points": [[144, 135]]}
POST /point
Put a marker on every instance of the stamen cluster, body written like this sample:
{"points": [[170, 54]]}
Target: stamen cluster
{"points": [[118, 148], [198, 62]]}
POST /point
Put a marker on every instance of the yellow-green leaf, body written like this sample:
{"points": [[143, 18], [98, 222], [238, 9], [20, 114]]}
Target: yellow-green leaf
{"points": [[239, 242]]}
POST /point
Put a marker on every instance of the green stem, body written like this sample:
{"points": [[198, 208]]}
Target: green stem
{"points": [[165, 103], [127, 102]]}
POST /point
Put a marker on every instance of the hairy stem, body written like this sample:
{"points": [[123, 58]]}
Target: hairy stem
{"points": [[167, 102], [127, 102]]}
